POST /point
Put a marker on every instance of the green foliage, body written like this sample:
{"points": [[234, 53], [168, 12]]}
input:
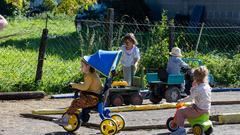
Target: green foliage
{"points": [[49, 5], [11, 7], [157, 55], [224, 70], [68, 7], [18, 57], [84, 4]]}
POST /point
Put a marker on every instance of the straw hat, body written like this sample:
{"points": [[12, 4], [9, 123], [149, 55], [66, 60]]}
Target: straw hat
{"points": [[176, 52]]}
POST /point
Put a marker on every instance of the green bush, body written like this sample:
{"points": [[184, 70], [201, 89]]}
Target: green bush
{"points": [[11, 7], [86, 3], [157, 55], [69, 7], [49, 5], [224, 70]]}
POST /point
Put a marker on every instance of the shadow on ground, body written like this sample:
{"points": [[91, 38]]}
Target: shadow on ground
{"points": [[66, 133], [163, 134], [60, 133]]}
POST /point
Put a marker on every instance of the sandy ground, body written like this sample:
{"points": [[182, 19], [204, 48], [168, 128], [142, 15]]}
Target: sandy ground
{"points": [[11, 123]]}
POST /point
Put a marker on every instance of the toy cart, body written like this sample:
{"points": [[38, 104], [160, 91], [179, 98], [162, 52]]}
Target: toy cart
{"points": [[171, 88], [121, 93]]}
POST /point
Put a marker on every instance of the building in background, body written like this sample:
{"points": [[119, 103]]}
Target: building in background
{"points": [[224, 11]]}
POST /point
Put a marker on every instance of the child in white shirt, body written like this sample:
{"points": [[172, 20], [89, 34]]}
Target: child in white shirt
{"points": [[130, 57], [201, 97]]}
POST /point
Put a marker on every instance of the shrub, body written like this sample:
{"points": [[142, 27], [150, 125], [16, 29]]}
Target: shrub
{"points": [[157, 55], [224, 70], [49, 5], [69, 7], [11, 7]]}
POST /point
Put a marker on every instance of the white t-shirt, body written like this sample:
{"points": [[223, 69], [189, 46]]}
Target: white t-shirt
{"points": [[128, 56], [201, 96]]}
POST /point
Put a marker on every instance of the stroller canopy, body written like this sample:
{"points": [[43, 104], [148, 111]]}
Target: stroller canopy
{"points": [[104, 61]]}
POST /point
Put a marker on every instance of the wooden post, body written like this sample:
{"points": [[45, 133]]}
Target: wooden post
{"points": [[109, 26], [199, 37], [171, 36], [41, 55]]}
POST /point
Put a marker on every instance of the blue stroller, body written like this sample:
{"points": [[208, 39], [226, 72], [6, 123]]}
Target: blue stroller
{"points": [[105, 62]]}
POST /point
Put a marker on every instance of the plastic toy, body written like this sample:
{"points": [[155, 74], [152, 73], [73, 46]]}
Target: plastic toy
{"points": [[200, 125], [105, 62], [168, 86], [119, 84]]}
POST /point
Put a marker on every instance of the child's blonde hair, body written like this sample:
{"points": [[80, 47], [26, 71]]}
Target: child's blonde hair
{"points": [[200, 74], [131, 37]]}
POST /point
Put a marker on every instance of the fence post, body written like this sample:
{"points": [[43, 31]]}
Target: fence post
{"points": [[199, 37], [41, 55], [110, 19], [171, 36]]}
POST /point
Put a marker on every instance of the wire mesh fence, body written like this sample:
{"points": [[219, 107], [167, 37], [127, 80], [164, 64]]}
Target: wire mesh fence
{"points": [[214, 37], [68, 41], [18, 53]]}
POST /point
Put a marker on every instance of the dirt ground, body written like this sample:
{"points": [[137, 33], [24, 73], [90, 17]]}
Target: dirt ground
{"points": [[11, 122]]}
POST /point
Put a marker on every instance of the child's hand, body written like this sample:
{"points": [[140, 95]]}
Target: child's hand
{"points": [[71, 85]]}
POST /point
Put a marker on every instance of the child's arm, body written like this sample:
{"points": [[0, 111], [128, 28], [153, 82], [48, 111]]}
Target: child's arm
{"points": [[186, 99], [136, 58], [182, 63], [83, 86], [190, 97]]}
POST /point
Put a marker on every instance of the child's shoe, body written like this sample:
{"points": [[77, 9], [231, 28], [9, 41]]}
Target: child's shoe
{"points": [[179, 131], [62, 121]]}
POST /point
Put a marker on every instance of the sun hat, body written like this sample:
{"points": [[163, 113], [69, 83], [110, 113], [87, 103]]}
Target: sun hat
{"points": [[176, 52]]}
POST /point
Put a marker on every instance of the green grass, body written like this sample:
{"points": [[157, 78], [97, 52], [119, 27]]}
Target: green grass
{"points": [[18, 70], [19, 55]]}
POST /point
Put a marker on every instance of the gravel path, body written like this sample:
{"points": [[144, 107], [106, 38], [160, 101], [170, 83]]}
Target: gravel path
{"points": [[11, 123]]}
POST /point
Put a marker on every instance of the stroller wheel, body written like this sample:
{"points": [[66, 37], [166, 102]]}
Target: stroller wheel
{"points": [[119, 121], [74, 123], [108, 127]]}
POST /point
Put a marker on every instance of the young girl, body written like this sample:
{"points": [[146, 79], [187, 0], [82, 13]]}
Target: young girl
{"points": [[130, 57], [89, 91], [201, 97]]}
